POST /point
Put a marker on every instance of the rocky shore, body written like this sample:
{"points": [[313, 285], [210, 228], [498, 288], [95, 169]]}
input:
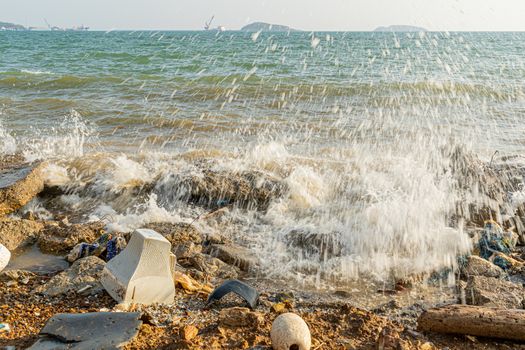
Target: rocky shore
{"points": [[491, 277]]}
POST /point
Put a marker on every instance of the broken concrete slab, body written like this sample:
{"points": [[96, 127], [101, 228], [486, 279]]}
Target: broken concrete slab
{"points": [[97, 330], [18, 185], [235, 255], [493, 292], [82, 277], [15, 234]]}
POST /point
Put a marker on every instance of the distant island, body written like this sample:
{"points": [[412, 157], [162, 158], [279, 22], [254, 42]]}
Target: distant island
{"points": [[267, 27], [400, 28], [11, 26]]}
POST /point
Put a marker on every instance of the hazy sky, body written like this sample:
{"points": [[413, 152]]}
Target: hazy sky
{"points": [[302, 14]]}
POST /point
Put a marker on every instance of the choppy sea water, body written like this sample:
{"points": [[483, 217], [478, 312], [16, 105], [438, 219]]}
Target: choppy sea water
{"points": [[362, 130]]}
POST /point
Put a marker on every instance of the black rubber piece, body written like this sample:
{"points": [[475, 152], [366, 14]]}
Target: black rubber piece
{"points": [[248, 293]]}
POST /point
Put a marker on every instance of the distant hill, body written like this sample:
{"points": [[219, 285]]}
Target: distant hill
{"points": [[400, 28], [266, 27], [11, 26]]}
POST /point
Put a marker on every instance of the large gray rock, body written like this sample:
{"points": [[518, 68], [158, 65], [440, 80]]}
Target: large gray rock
{"points": [[16, 234], [234, 255], [62, 237], [493, 292], [477, 266], [83, 276], [214, 189], [97, 330], [18, 185]]}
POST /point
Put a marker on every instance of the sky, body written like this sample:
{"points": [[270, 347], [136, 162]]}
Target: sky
{"points": [[311, 15]]}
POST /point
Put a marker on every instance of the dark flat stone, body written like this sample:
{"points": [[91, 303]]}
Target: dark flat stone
{"points": [[97, 330]]}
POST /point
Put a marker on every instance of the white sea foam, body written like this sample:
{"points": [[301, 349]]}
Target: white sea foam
{"points": [[7, 142]]}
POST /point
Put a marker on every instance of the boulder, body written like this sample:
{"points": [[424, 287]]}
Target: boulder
{"points": [[62, 237], [18, 185], [234, 255], [16, 233], [215, 189], [82, 277], [177, 233], [493, 292], [477, 266]]}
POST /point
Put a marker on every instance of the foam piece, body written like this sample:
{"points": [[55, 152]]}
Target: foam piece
{"points": [[141, 273], [5, 256], [289, 331]]}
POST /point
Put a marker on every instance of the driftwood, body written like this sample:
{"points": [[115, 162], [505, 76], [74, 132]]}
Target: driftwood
{"points": [[475, 320]]}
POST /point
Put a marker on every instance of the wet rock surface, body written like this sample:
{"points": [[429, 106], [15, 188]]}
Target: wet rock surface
{"points": [[217, 188], [19, 183]]}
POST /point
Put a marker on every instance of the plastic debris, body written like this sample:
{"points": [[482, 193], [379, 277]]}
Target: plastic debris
{"points": [[289, 331], [5, 256], [106, 247], [141, 273], [495, 245], [5, 328], [248, 293], [189, 284]]}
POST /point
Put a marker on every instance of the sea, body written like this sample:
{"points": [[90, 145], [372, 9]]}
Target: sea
{"points": [[362, 129]]}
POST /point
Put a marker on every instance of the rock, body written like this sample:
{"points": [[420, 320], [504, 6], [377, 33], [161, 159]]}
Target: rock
{"points": [[15, 234], [239, 317], [186, 250], [18, 185], [62, 237], [96, 330], [189, 332], [477, 266], [234, 255], [5, 256], [215, 189], [177, 233], [493, 292], [83, 273], [388, 339], [211, 266], [16, 275], [289, 331]]}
